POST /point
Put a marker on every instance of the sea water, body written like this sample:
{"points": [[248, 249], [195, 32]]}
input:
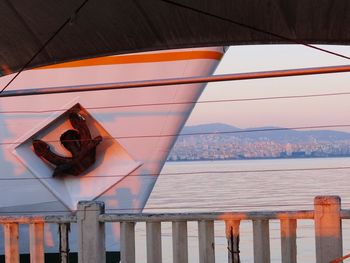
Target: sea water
{"points": [[247, 185]]}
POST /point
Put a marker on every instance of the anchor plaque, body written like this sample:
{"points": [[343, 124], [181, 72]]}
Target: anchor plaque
{"points": [[77, 141]]}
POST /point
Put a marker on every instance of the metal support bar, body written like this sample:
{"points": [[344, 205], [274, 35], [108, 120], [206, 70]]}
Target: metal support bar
{"points": [[178, 81], [232, 235]]}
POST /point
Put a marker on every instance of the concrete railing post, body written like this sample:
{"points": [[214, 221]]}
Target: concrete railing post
{"points": [[91, 232], [206, 241], [261, 241], [289, 240], [154, 242], [127, 242], [64, 229], [180, 242], [11, 237], [328, 230], [36, 242]]}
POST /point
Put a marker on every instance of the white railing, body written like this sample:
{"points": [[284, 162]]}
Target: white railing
{"points": [[90, 219]]}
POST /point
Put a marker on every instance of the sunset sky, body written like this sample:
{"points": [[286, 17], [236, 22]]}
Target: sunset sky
{"points": [[280, 112]]}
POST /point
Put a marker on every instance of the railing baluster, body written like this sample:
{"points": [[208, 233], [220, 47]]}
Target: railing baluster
{"points": [[180, 242], [36, 242], [328, 230], [261, 240], [206, 241], [64, 229], [288, 240], [11, 243], [127, 242], [154, 242]]}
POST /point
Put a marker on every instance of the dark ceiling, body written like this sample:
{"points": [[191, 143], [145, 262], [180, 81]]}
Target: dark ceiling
{"points": [[103, 27]]}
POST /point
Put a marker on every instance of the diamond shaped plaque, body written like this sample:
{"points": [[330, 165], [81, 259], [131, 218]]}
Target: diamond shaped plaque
{"points": [[112, 161]]}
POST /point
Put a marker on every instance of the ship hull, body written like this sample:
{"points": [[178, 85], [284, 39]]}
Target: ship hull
{"points": [[138, 126]]}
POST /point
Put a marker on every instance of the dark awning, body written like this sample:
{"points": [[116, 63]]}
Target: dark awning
{"points": [[104, 27]]}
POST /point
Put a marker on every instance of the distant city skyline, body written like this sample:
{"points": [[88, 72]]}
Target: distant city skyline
{"points": [[328, 110], [225, 142]]}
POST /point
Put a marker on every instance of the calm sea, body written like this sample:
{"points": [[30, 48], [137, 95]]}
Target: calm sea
{"points": [[283, 184]]}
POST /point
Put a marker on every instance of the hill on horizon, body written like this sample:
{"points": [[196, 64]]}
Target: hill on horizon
{"points": [[272, 133]]}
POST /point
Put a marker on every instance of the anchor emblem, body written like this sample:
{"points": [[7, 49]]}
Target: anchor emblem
{"points": [[77, 141]]}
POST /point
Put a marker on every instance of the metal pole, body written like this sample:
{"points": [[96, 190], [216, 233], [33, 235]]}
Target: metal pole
{"points": [[232, 235], [178, 81]]}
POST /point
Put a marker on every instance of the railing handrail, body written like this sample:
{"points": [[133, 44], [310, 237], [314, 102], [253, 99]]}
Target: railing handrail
{"points": [[30, 219], [220, 216], [168, 217]]}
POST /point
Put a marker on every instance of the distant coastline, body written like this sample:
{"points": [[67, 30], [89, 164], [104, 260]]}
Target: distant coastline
{"points": [[258, 158], [219, 141]]}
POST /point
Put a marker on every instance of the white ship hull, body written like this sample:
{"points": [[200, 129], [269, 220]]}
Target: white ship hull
{"points": [[134, 124]]}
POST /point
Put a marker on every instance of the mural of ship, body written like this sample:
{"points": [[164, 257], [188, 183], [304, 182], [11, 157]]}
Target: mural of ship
{"points": [[49, 162]]}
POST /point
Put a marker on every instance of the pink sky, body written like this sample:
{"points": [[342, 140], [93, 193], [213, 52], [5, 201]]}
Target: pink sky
{"points": [[282, 112]]}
